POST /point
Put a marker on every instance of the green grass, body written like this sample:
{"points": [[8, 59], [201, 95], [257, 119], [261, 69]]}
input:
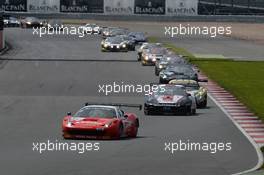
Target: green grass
{"points": [[181, 51], [243, 79]]}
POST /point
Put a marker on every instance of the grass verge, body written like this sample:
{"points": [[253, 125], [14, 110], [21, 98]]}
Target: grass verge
{"points": [[243, 79]]}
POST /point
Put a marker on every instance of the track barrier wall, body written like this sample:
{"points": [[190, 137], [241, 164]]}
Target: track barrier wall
{"points": [[113, 7]]}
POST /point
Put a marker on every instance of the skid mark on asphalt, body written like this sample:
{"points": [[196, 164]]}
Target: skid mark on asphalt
{"points": [[247, 120]]}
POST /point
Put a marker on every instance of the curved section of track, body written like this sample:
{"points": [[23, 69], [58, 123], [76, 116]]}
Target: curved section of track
{"points": [[34, 96]]}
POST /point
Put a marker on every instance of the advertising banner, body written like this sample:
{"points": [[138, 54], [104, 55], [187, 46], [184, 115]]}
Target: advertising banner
{"points": [[13, 5], [44, 6], [82, 6], [119, 7], [150, 7], [182, 7]]}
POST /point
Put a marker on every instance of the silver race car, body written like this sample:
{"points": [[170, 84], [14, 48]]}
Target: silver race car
{"points": [[197, 91]]}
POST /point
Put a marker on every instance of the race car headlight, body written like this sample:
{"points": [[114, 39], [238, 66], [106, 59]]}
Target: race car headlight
{"points": [[105, 45], [163, 75], [154, 59], [152, 101], [146, 57], [69, 122], [124, 45], [118, 47], [28, 22], [107, 125], [201, 93], [160, 66]]}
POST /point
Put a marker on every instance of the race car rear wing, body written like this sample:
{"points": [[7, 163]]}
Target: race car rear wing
{"points": [[139, 106]]}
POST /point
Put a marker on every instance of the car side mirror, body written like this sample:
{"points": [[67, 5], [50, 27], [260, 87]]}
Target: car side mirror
{"points": [[202, 80], [69, 113], [126, 116], [123, 113], [189, 95]]}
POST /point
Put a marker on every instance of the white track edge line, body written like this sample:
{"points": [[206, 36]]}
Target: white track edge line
{"points": [[255, 145]]}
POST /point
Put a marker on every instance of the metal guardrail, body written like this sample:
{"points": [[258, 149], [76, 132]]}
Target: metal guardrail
{"points": [[231, 7]]}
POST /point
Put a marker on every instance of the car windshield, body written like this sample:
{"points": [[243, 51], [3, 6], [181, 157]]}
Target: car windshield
{"points": [[170, 90], [118, 32], [31, 19], [192, 87], [157, 51], [55, 22], [100, 112], [137, 34], [125, 37], [180, 69], [189, 86], [12, 18], [114, 40]]}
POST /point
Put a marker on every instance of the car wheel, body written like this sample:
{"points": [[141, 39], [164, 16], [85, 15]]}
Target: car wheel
{"points": [[193, 111], [188, 110], [161, 81], [138, 57], [136, 129], [65, 136], [147, 112], [156, 71], [120, 131], [203, 104]]}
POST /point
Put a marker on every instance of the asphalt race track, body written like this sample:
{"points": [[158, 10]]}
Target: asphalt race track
{"points": [[36, 94]]}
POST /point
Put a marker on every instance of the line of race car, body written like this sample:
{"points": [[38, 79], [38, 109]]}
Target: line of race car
{"points": [[177, 92]]}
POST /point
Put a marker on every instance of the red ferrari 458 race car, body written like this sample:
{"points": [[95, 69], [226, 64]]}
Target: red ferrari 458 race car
{"points": [[101, 121]]}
